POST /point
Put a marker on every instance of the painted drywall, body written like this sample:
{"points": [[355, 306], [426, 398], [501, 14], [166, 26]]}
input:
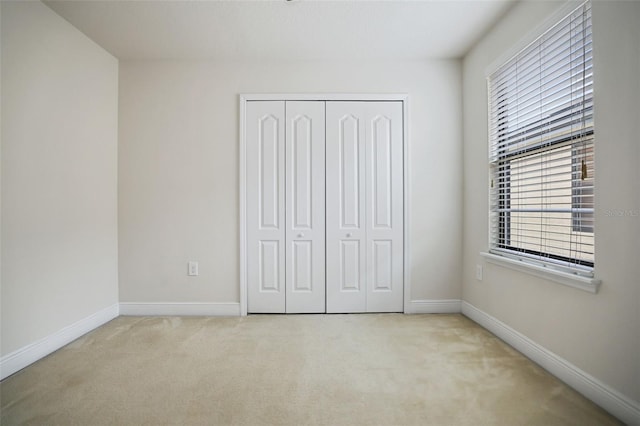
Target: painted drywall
{"points": [[178, 169], [59, 175], [597, 333], [0, 179]]}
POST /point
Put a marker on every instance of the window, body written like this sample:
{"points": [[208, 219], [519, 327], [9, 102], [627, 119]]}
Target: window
{"points": [[542, 149]]}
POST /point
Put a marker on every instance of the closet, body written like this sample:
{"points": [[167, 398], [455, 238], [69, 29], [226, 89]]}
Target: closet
{"points": [[324, 206]]}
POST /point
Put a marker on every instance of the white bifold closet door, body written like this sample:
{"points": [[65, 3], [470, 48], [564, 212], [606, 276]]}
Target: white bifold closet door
{"points": [[364, 206], [285, 143]]}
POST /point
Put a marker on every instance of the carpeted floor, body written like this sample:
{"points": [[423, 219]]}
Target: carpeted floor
{"points": [[385, 369]]}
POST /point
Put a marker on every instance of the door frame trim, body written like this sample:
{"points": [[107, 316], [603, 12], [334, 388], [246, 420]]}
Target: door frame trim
{"points": [[242, 176]]}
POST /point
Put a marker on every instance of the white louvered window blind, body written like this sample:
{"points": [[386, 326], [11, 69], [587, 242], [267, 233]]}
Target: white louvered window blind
{"points": [[542, 150]]}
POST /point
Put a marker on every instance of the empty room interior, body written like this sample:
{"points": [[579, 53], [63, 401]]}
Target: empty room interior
{"points": [[320, 212]]}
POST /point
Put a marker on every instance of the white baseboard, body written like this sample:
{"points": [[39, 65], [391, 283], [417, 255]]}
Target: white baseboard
{"points": [[446, 306], [180, 309], [19, 359], [611, 400]]}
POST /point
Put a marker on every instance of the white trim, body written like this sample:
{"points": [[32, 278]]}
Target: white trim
{"points": [[446, 306], [180, 309], [242, 182], [21, 358], [397, 97], [533, 35], [407, 205], [611, 400], [323, 97], [590, 285]]}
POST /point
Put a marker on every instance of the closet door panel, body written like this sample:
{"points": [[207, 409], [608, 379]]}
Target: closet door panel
{"points": [[324, 198], [384, 210], [265, 139], [305, 213], [345, 177]]}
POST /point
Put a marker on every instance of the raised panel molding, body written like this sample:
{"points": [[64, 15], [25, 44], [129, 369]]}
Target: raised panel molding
{"points": [[383, 265], [349, 172], [302, 168], [350, 265], [382, 171], [268, 164], [269, 277], [302, 266]]}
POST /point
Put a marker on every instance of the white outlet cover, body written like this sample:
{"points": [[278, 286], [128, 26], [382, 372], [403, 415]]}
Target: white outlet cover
{"points": [[479, 272], [192, 269]]}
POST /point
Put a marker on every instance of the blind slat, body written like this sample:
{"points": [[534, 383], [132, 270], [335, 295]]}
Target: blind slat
{"points": [[542, 158]]}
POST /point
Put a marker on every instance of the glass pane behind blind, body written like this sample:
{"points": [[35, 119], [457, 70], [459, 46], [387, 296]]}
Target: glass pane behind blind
{"points": [[544, 212], [542, 147]]}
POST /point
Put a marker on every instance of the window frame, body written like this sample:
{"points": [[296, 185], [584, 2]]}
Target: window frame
{"points": [[500, 245]]}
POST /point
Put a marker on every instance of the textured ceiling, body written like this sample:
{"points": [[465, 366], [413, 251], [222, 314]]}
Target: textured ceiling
{"points": [[282, 30]]}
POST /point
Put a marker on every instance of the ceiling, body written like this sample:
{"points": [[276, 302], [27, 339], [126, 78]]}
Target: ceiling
{"points": [[283, 30]]}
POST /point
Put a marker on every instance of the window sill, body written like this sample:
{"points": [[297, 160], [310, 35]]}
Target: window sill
{"points": [[590, 285]]}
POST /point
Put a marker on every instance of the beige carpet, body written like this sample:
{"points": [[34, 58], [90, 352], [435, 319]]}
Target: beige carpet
{"points": [[387, 369]]}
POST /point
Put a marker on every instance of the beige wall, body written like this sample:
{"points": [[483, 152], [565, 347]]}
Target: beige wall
{"points": [[597, 333], [59, 175], [178, 169]]}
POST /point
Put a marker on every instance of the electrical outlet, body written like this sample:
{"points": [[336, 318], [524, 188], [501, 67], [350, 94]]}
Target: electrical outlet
{"points": [[479, 272], [192, 269]]}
